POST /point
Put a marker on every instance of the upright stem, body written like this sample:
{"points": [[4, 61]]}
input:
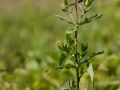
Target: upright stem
{"points": [[76, 55]]}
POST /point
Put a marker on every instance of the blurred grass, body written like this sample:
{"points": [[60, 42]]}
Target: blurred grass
{"points": [[28, 52]]}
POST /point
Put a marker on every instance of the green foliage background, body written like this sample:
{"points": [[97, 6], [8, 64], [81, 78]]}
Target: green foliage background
{"points": [[28, 51]]}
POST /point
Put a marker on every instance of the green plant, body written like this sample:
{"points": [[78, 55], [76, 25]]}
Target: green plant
{"points": [[70, 56]]}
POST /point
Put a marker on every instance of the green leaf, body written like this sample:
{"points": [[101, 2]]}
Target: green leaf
{"points": [[87, 3], [97, 16], [84, 54], [69, 40], [70, 31], [85, 20], [97, 53], [90, 71], [84, 47], [89, 19], [67, 66], [85, 60], [65, 6], [63, 47], [68, 85], [63, 19], [87, 9], [62, 59]]}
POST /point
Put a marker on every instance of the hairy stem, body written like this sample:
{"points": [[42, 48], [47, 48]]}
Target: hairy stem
{"points": [[76, 42]]}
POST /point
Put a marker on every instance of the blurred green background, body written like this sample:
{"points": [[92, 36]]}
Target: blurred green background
{"points": [[28, 51]]}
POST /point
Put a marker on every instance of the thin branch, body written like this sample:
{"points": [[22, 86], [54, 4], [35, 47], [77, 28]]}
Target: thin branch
{"points": [[76, 56], [63, 19], [72, 18]]}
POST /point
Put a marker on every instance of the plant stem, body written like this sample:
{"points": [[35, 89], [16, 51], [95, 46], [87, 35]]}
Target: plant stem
{"points": [[76, 56]]}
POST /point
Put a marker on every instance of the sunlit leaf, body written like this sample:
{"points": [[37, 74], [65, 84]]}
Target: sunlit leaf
{"points": [[88, 2], [90, 71]]}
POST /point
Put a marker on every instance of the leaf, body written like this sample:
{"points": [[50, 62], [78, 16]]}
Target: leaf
{"points": [[63, 19], [62, 59], [97, 16], [69, 40], [70, 31], [84, 54], [64, 6], [68, 85], [85, 60], [85, 20], [88, 2], [97, 53], [90, 71], [89, 19], [62, 47], [87, 10], [84, 47], [67, 66]]}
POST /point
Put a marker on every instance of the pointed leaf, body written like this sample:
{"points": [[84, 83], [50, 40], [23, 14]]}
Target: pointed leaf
{"points": [[97, 16], [62, 59], [63, 47], [84, 47], [88, 2], [63, 19], [98, 53], [90, 71], [85, 20], [85, 60]]}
